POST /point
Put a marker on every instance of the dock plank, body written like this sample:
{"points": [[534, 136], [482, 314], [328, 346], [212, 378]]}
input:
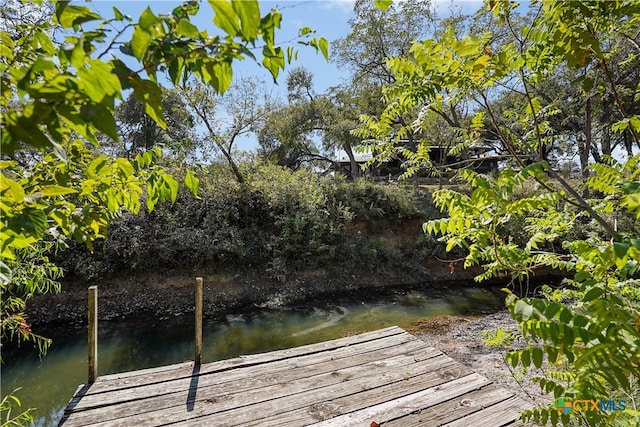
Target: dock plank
{"points": [[395, 392], [161, 384], [453, 409], [216, 387], [308, 406], [501, 414], [280, 359], [280, 397], [387, 376], [271, 356], [399, 407]]}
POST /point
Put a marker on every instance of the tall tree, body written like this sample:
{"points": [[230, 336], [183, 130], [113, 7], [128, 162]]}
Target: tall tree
{"points": [[375, 37], [228, 117], [291, 132], [378, 35], [311, 126]]}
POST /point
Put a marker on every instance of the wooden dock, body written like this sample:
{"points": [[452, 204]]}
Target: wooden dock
{"points": [[387, 377]]}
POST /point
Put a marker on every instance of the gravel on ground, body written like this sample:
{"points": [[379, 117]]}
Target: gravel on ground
{"points": [[462, 339]]}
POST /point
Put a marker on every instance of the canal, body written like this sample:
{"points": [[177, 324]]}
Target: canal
{"points": [[48, 383]]}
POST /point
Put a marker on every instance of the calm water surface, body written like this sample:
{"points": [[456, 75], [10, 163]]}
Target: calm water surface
{"points": [[126, 345]]}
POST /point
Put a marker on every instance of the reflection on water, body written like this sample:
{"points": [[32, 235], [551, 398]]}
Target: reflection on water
{"points": [[127, 345]]}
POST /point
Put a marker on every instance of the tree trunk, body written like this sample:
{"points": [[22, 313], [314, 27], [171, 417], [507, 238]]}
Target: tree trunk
{"points": [[355, 169], [607, 115], [585, 149], [234, 167]]}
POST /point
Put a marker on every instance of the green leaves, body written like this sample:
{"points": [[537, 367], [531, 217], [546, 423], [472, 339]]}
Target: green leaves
{"points": [[592, 294], [98, 81], [321, 45], [225, 16], [273, 60], [140, 42], [32, 222], [220, 75], [192, 182], [72, 16], [150, 95], [248, 13]]}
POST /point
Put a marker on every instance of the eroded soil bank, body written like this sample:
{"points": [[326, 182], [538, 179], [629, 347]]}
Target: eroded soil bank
{"points": [[173, 294]]}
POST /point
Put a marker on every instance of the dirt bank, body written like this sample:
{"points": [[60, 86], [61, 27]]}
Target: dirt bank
{"points": [[163, 294]]}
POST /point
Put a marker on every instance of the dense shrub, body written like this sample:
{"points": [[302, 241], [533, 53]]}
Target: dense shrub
{"points": [[278, 221]]}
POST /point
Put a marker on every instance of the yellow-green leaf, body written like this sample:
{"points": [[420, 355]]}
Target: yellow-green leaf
{"points": [[11, 190], [69, 16], [140, 42], [323, 45], [273, 60], [249, 13], [225, 18], [192, 183], [150, 95], [56, 190], [187, 29], [382, 4]]}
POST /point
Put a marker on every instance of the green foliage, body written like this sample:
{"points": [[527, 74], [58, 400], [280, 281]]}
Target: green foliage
{"points": [[508, 58], [499, 338], [56, 99], [481, 222], [75, 95], [587, 334], [76, 197], [138, 132], [8, 405], [32, 273], [278, 221], [592, 325]]}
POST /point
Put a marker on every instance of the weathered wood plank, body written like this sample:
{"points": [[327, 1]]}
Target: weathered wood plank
{"points": [[305, 407], [453, 409], [214, 386], [503, 413], [338, 382], [405, 405], [176, 367], [100, 395], [335, 409], [386, 376]]}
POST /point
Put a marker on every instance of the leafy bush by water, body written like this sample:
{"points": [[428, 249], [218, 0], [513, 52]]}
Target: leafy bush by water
{"points": [[277, 222]]}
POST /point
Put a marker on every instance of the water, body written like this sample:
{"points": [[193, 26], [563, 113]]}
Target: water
{"points": [[48, 384]]}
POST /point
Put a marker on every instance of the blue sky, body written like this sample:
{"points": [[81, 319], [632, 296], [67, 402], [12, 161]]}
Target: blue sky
{"points": [[329, 18]]}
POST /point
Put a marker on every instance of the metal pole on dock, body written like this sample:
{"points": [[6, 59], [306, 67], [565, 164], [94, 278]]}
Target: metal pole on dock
{"points": [[93, 334], [198, 356]]}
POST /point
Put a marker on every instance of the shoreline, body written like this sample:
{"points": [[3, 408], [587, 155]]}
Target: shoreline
{"points": [[173, 294], [462, 339]]}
